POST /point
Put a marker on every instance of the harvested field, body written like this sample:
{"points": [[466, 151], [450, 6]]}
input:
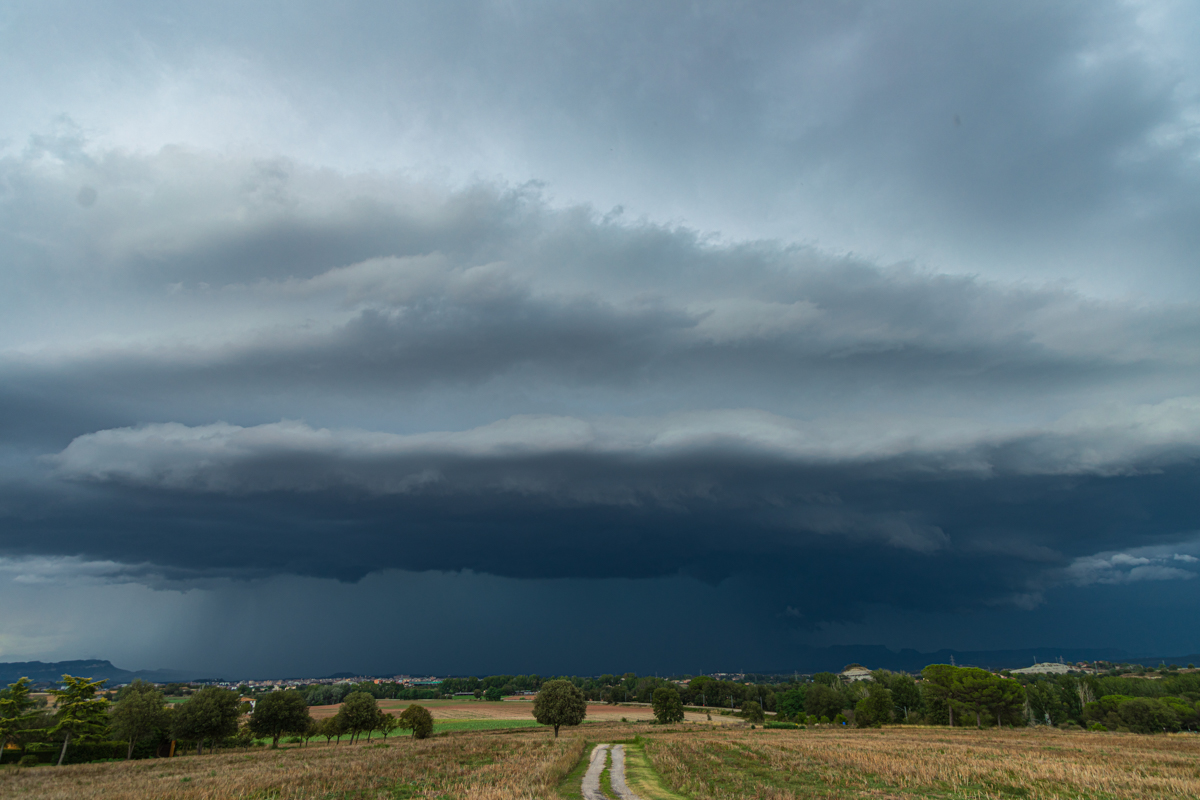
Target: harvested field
{"points": [[466, 765], [690, 761], [927, 762], [515, 709]]}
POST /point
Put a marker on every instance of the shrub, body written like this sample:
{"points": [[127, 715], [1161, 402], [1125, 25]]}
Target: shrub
{"points": [[1097, 726], [28, 761], [840, 719], [784, 725]]}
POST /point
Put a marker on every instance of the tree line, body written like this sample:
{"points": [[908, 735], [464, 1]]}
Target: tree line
{"points": [[138, 721]]}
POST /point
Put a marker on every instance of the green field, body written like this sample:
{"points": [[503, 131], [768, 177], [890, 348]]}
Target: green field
{"points": [[440, 725]]}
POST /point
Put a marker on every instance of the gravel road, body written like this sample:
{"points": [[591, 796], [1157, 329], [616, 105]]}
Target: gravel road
{"points": [[591, 779]]}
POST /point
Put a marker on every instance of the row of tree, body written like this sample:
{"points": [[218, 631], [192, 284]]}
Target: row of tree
{"points": [[212, 716], [951, 695]]}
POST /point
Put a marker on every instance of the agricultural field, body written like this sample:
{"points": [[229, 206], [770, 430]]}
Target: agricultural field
{"points": [[692, 761], [445, 710]]}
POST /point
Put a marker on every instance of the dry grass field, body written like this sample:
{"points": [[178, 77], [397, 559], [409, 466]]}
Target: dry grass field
{"points": [[468, 765], [700, 762], [928, 762], [516, 709]]}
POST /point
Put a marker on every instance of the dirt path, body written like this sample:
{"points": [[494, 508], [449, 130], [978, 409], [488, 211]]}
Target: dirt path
{"points": [[616, 774]]}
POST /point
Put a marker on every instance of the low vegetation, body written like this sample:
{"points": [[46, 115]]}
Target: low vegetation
{"points": [[926, 762]]}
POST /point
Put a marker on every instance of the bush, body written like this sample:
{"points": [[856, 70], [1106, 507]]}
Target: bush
{"points": [[28, 761], [839, 720], [1097, 726], [784, 725]]}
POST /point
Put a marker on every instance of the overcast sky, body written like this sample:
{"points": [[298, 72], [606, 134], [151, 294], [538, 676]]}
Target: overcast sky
{"points": [[514, 336]]}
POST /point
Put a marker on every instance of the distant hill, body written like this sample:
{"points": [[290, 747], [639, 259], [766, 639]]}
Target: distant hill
{"points": [[94, 669]]}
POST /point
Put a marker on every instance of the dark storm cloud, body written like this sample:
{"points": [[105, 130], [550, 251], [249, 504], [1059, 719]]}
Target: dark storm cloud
{"points": [[719, 409]]}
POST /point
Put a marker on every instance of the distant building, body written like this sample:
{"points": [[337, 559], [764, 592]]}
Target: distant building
{"points": [[856, 673], [1044, 668]]}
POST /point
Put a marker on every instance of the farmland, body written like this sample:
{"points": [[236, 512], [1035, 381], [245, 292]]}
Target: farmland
{"points": [[698, 761]]}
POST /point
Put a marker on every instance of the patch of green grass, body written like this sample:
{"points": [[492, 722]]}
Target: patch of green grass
{"points": [[606, 788], [441, 725], [641, 777], [571, 787]]}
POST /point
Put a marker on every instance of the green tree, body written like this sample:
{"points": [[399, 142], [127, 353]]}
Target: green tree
{"points": [[559, 703], [822, 701], [210, 714], [417, 719], [906, 696], [388, 724], [667, 706], [875, 708], [752, 711], [493, 694], [80, 714], [16, 714], [141, 710], [937, 683], [1147, 715], [278, 713], [790, 704], [358, 712], [330, 728]]}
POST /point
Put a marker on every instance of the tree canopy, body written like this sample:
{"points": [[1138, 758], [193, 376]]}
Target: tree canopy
{"points": [[80, 714], [141, 710], [209, 715], [559, 702], [278, 713], [417, 719], [667, 706]]}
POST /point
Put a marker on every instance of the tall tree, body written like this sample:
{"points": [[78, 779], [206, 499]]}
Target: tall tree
{"points": [[278, 713], [80, 714], [559, 703], [667, 706], [140, 710], [211, 714], [16, 713]]}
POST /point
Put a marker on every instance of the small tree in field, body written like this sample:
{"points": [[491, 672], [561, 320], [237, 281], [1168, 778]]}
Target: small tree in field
{"points": [[210, 714], [559, 703], [752, 711], [359, 712], [330, 728], [667, 706], [388, 724], [417, 719], [278, 713]]}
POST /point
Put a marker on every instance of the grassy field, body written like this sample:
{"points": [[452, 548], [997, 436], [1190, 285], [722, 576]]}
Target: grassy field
{"points": [[699, 762], [927, 763]]}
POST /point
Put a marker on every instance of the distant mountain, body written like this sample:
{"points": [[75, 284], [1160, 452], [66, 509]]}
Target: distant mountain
{"points": [[94, 669]]}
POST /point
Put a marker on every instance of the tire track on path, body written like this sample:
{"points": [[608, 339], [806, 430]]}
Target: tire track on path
{"points": [[616, 775]]}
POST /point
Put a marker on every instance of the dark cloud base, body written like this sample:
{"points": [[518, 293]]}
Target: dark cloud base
{"points": [[830, 551]]}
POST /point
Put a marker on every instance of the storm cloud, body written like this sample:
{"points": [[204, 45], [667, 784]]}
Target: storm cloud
{"points": [[825, 321]]}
